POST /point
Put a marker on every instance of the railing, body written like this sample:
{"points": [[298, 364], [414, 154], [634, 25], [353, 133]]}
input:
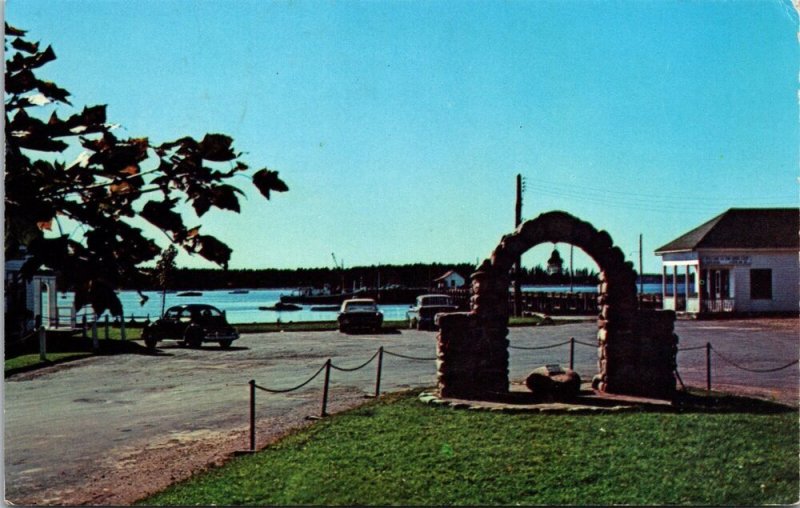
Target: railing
{"points": [[717, 305], [554, 302], [328, 366]]}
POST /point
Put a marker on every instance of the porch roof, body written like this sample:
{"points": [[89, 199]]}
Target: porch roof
{"points": [[742, 228]]}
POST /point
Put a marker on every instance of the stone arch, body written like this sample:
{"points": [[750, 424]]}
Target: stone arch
{"points": [[636, 350]]}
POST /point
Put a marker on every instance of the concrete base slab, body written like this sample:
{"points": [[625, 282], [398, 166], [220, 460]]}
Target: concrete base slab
{"points": [[520, 399]]}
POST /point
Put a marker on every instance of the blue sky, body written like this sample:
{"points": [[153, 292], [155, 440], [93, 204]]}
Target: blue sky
{"points": [[400, 125]]}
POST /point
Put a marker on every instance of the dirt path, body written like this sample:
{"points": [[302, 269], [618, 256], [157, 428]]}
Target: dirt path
{"points": [[111, 430]]}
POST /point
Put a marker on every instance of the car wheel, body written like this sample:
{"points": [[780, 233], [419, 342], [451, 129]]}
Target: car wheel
{"points": [[149, 341], [225, 344], [342, 329], [193, 337]]}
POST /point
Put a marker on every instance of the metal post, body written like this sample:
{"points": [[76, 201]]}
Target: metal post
{"points": [[95, 344], [107, 335], [708, 366], [122, 327], [518, 262], [380, 368], [252, 415], [42, 344], [572, 353], [641, 273], [325, 388], [85, 335]]}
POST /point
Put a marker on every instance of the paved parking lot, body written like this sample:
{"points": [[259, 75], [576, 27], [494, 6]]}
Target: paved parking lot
{"points": [[106, 430]]}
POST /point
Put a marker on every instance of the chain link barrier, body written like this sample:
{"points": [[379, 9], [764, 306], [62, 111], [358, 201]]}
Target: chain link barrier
{"points": [[328, 365], [541, 347], [406, 357], [272, 390], [757, 371], [690, 348], [342, 369]]}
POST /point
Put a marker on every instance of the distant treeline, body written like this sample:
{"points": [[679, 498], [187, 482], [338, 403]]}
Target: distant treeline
{"points": [[411, 275]]}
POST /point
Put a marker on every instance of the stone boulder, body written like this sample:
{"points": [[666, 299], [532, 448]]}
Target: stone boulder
{"points": [[552, 382]]}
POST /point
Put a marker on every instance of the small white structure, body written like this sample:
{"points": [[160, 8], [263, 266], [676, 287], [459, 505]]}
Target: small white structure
{"points": [[450, 280], [31, 301], [744, 260]]}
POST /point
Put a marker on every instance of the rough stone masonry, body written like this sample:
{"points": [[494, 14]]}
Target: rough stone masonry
{"points": [[636, 349]]}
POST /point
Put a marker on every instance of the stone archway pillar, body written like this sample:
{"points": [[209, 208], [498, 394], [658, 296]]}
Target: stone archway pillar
{"points": [[636, 350]]}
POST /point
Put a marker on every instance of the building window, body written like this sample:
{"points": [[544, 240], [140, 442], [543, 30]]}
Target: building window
{"points": [[669, 289], [761, 284], [691, 280]]}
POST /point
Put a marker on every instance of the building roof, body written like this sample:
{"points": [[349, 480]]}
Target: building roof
{"points": [[743, 228], [448, 274]]}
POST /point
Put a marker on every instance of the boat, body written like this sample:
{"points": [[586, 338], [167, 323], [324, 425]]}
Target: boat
{"points": [[190, 293], [326, 308], [238, 292], [280, 306]]}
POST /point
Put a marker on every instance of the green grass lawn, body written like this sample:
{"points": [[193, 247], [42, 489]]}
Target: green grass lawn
{"points": [[28, 361], [398, 451]]}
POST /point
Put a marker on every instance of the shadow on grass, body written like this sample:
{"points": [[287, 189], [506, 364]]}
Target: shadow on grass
{"points": [[80, 348], [715, 402], [692, 401]]}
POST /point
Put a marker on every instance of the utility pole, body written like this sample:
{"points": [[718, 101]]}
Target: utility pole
{"points": [[571, 286], [518, 264], [641, 273]]}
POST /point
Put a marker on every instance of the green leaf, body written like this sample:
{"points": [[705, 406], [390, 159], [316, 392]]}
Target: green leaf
{"points": [[266, 180], [214, 250], [13, 31], [217, 148], [23, 45], [160, 214], [224, 196]]}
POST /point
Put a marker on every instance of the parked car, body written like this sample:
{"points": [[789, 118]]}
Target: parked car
{"points": [[421, 315], [359, 313], [191, 324]]}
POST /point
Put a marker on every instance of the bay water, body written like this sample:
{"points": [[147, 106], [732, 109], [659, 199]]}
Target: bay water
{"points": [[242, 306]]}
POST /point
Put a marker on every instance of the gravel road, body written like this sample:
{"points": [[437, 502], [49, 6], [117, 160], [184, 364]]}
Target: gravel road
{"points": [[108, 430]]}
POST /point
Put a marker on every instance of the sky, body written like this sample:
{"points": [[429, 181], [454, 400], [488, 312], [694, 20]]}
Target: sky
{"points": [[400, 126]]}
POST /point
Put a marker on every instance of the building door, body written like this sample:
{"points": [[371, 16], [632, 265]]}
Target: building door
{"points": [[716, 289], [44, 303]]}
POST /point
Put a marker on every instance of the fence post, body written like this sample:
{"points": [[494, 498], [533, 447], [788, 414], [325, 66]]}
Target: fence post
{"points": [[378, 377], [325, 388], [708, 366], [42, 344], [122, 326], [95, 344], [572, 353], [252, 415], [107, 335]]}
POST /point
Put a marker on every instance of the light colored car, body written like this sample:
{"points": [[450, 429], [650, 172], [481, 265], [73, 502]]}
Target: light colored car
{"points": [[421, 315], [359, 314]]}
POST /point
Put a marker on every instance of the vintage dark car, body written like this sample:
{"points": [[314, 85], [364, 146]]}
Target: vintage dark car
{"points": [[191, 325], [421, 315], [359, 314]]}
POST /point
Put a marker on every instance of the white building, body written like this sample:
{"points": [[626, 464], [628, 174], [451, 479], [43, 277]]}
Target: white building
{"points": [[450, 280], [744, 260], [28, 303]]}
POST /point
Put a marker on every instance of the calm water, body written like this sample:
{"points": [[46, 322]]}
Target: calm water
{"points": [[244, 308]]}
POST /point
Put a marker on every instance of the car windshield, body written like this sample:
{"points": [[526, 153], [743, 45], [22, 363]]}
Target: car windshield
{"points": [[208, 312], [360, 307], [436, 300]]}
